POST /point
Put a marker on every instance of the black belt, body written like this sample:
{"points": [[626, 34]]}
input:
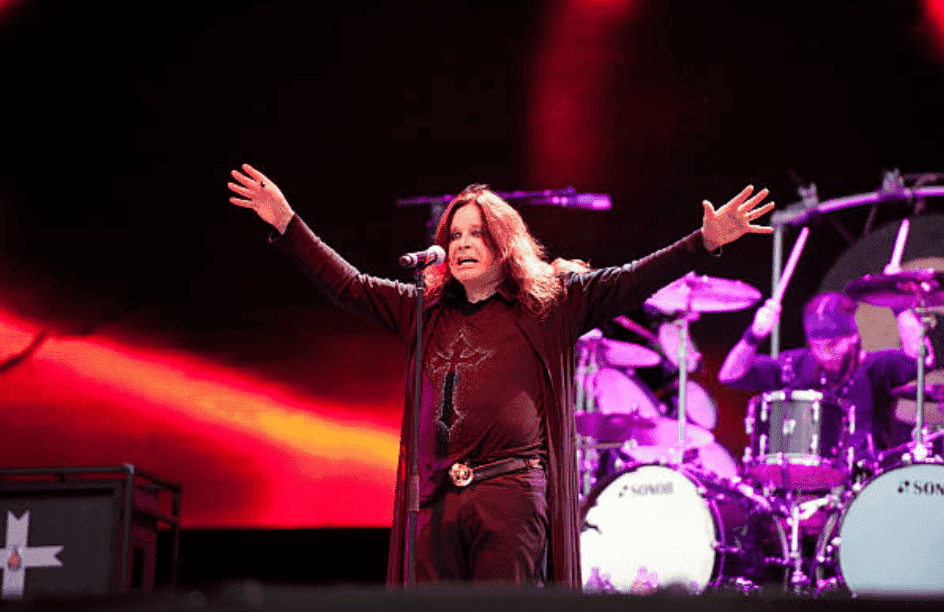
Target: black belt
{"points": [[463, 475]]}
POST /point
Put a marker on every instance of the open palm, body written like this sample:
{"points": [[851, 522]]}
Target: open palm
{"points": [[261, 195], [733, 220]]}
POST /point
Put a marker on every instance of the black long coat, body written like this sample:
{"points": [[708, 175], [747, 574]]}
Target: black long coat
{"points": [[588, 300]]}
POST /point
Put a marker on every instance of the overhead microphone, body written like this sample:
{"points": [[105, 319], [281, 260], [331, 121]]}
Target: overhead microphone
{"points": [[432, 256]]}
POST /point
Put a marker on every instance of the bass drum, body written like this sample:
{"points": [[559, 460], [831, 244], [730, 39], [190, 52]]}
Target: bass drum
{"points": [[652, 527], [887, 539]]}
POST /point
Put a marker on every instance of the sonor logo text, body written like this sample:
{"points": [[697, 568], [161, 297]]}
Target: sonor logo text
{"points": [[662, 488], [921, 487]]}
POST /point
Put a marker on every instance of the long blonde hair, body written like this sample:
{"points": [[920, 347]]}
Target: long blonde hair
{"points": [[526, 272]]}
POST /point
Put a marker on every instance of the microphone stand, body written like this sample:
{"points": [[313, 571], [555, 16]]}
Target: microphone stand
{"points": [[413, 502]]}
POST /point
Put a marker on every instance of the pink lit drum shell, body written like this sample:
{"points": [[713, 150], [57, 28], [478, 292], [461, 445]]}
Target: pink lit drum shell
{"points": [[700, 408], [712, 458], [619, 393]]}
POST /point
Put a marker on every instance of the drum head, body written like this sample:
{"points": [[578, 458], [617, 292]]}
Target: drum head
{"points": [[716, 459], [670, 340], [892, 537], [618, 393], [700, 409], [646, 529]]}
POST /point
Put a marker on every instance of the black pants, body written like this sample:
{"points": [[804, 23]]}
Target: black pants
{"points": [[493, 531]]}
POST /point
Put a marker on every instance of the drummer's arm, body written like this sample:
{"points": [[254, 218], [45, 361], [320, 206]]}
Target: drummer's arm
{"points": [[742, 356], [909, 329], [739, 360]]}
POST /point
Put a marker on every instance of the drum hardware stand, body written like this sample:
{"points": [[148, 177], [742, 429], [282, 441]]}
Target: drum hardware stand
{"points": [[682, 321], [794, 512], [790, 509], [836, 500], [586, 401], [799, 581], [921, 449]]}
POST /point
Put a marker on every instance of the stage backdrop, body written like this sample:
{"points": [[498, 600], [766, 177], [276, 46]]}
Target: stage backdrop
{"points": [[144, 319]]}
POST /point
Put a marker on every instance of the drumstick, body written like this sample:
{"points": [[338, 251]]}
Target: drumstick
{"points": [[632, 326], [791, 265], [895, 264]]}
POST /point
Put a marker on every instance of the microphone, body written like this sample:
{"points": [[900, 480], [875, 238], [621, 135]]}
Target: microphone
{"points": [[432, 256]]}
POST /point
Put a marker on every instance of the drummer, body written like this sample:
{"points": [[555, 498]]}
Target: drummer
{"points": [[836, 365]]}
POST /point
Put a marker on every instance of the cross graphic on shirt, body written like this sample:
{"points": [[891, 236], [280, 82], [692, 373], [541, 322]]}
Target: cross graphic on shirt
{"points": [[17, 556], [461, 354]]}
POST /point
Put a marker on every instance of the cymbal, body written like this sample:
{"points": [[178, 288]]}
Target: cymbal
{"points": [[618, 352], [627, 354], [591, 336], [664, 432], [611, 427], [899, 290], [693, 293], [932, 393]]}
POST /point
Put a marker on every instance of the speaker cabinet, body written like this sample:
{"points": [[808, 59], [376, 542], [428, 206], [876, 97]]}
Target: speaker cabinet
{"points": [[70, 532]]}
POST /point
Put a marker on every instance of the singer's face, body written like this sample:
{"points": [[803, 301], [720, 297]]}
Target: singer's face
{"points": [[472, 261], [831, 351]]}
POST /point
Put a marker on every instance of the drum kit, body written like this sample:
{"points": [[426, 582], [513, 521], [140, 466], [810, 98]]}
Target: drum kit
{"points": [[805, 512]]}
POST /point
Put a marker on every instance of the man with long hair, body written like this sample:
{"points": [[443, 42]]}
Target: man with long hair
{"points": [[497, 457]]}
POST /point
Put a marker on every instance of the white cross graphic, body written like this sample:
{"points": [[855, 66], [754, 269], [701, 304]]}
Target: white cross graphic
{"points": [[17, 556]]}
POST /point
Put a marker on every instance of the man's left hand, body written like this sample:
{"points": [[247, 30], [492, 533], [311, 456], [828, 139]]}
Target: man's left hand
{"points": [[733, 220]]}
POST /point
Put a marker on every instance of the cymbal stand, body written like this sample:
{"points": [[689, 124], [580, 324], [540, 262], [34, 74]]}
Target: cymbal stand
{"points": [[921, 449], [587, 368], [682, 321]]}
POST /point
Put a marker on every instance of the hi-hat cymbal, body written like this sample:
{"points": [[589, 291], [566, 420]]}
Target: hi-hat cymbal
{"points": [[693, 293], [899, 290], [932, 393], [611, 427]]}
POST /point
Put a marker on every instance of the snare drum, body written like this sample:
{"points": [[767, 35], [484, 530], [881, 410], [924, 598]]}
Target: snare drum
{"points": [[795, 439], [887, 539], [655, 526]]}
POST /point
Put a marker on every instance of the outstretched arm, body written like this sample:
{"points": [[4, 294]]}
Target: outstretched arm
{"points": [[605, 293], [263, 196], [390, 302]]}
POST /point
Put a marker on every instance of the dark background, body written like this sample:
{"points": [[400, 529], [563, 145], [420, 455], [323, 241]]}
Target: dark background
{"points": [[121, 122]]}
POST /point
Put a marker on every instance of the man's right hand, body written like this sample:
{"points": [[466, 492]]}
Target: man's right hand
{"points": [[263, 196], [765, 319]]}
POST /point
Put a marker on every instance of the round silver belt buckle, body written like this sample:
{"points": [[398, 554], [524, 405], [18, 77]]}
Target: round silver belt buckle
{"points": [[460, 474]]}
